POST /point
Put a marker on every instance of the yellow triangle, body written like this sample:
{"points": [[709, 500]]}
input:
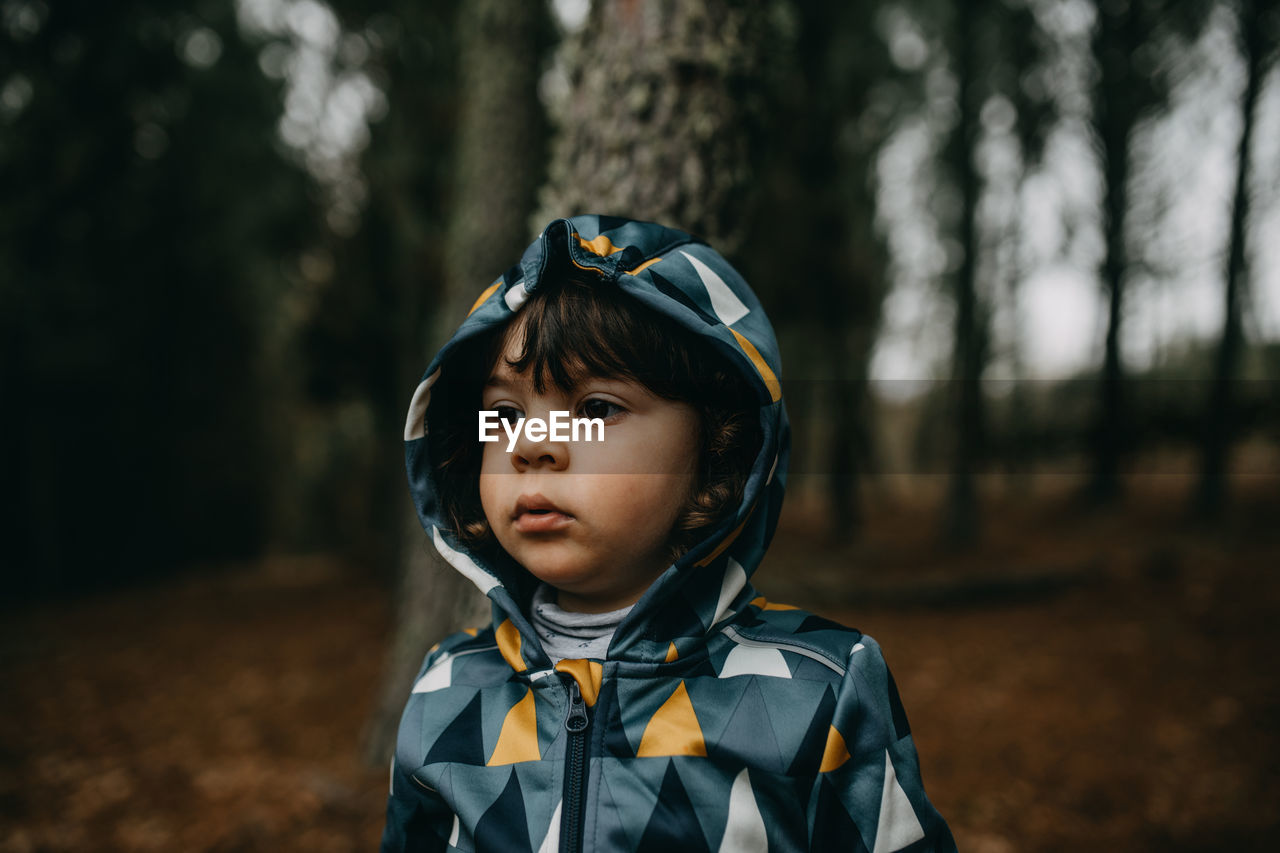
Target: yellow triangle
{"points": [[601, 246], [726, 542], [507, 636], [836, 752], [518, 740], [674, 729], [488, 291], [765, 604], [644, 266], [771, 382], [588, 674], [672, 653]]}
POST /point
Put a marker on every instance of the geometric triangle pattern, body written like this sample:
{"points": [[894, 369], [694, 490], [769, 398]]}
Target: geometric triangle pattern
{"points": [[898, 826], [518, 739], [673, 729], [461, 742], [673, 825], [802, 746], [503, 825], [744, 832], [743, 739]]}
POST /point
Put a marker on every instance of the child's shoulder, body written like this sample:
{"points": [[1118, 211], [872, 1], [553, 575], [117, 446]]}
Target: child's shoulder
{"points": [[770, 638], [802, 638], [466, 642]]}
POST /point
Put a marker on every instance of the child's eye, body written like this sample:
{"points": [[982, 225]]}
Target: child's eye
{"points": [[510, 414], [603, 409]]}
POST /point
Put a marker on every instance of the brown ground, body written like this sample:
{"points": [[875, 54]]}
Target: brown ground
{"points": [[1079, 682]]}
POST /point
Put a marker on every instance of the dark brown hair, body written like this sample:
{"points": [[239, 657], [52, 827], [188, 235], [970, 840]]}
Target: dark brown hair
{"points": [[575, 329]]}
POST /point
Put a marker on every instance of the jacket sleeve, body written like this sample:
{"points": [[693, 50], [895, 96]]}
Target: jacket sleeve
{"points": [[418, 819], [868, 785]]}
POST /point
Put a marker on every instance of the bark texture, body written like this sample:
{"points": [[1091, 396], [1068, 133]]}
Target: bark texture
{"points": [[657, 120]]}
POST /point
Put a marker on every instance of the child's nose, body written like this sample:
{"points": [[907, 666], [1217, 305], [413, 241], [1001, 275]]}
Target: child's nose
{"points": [[533, 453]]}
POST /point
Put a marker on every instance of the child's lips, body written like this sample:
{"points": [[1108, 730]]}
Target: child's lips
{"points": [[536, 514], [541, 522]]}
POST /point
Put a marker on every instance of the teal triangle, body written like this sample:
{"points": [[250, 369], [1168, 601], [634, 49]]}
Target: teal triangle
{"points": [[541, 794], [808, 758], [748, 738], [503, 825], [834, 829], [610, 829], [460, 742], [616, 742], [673, 824], [714, 701], [792, 706]]}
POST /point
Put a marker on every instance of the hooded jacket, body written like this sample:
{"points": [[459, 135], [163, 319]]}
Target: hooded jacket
{"points": [[717, 720]]}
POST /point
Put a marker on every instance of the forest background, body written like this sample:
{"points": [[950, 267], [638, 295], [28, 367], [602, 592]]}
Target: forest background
{"points": [[1022, 257]]}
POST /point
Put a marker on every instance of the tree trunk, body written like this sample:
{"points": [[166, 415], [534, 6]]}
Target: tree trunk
{"points": [[657, 121], [961, 522], [1115, 113], [1219, 413], [498, 155]]}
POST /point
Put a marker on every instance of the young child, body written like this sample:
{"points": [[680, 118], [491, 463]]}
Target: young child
{"points": [[633, 691]]}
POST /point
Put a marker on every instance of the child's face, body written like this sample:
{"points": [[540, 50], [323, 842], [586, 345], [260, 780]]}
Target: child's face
{"points": [[617, 499]]}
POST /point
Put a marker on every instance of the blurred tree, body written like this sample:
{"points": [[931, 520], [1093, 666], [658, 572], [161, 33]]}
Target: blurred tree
{"points": [[368, 338], [993, 46], [1130, 84], [497, 165], [1032, 53], [1257, 22], [815, 257], [145, 211], [970, 344]]}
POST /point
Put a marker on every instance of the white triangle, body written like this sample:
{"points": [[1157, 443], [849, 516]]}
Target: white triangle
{"points": [[751, 660], [551, 843], [735, 578], [463, 563], [457, 830], [744, 832], [438, 677], [724, 302], [898, 826], [415, 425]]}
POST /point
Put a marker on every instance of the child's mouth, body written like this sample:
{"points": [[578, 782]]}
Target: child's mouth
{"points": [[536, 514], [541, 520]]}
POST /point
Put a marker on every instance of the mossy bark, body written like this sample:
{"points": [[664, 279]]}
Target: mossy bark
{"points": [[660, 115]]}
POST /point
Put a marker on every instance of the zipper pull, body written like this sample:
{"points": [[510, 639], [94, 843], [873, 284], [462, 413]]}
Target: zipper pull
{"points": [[577, 719]]}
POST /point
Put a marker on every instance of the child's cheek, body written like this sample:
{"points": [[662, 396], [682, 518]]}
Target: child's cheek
{"points": [[494, 460], [493, 496]]}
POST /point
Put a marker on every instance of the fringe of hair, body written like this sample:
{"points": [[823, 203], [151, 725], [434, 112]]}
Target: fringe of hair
{"points": [[726, 404]]}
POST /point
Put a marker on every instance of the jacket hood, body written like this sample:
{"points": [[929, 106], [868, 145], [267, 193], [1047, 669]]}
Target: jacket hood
{"points": [[683, 278]]}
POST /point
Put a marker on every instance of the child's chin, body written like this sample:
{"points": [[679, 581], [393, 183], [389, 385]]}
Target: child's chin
{"points": [[560, 574], [570, 582]]}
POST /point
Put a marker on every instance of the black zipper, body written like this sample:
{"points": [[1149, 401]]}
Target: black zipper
{"points": [[575, 772]]}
